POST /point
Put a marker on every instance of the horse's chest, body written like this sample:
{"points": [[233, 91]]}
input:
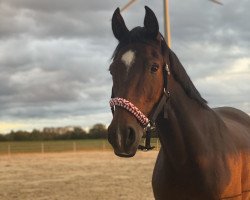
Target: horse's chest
{"points": [[166, 187], [170, 186]]}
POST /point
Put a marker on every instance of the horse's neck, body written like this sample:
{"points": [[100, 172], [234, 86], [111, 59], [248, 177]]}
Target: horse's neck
{"points": [[186, 134]]}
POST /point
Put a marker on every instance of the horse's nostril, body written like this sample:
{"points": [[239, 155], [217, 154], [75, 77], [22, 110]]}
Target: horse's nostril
{"points": [[130, 136]]}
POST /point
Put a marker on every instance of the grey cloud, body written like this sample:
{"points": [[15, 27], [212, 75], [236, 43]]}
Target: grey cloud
{"points": [[54, 55], [66, 6], [46, 19]]}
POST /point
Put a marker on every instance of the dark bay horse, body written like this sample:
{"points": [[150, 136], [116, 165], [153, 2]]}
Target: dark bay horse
{"points": [[205, 153]]}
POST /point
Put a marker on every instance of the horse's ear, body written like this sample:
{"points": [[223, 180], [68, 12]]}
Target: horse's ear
{"points": [[151, 23], [118, 25]]}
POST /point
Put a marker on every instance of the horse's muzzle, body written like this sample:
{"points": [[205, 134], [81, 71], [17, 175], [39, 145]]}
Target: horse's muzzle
{"points": [[124, 139]]}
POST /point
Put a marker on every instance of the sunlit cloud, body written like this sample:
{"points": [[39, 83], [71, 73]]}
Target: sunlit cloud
{"points": [[54, 57], [5, 127]]}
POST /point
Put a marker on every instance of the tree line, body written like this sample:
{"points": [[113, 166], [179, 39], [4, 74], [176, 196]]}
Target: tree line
{"points": [[98, 131]]}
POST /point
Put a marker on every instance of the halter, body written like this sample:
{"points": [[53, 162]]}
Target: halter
{"points": [[131, 108], [147, 123]]}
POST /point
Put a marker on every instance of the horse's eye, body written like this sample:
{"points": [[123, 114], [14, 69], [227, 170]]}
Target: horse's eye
{"points": [[154, 68]]}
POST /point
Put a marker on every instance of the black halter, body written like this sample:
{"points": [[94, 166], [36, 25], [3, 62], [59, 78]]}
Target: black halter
{"points": [[162, 105]]}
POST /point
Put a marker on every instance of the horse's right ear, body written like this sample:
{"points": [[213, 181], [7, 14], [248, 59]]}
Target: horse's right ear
{"points": [[151, 23], [118, 25]]}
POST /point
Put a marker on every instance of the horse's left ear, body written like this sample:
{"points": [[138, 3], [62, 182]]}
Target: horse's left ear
{"points": [[151, 23]]}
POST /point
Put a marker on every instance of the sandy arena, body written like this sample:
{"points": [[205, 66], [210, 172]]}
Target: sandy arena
{"points": [[76, 176]]}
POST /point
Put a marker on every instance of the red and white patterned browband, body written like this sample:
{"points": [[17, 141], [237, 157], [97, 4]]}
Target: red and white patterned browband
{"points": [[131, 108]]}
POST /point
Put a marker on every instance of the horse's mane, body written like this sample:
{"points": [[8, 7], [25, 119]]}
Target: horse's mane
{"points": [[181, 75], [139, 35]]}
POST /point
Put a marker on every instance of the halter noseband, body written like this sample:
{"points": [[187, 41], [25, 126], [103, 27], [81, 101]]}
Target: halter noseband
{"points": [[147, 123], [131, 108]]}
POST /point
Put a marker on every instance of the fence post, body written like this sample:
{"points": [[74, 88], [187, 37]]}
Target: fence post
{"points": [[42, 147], [157, 144], [74, 146]]}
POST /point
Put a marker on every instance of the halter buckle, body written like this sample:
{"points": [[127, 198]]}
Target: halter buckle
{"points": [[167, 69]]}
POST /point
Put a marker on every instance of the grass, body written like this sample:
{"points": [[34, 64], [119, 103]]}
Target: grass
{"points": [[57, 146]]}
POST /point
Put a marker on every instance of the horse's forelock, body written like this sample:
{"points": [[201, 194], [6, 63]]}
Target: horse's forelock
{"points": [[136, 35]]}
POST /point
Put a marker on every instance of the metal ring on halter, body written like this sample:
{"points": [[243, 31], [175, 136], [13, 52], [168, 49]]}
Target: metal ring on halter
{"points": [[167, 69]]}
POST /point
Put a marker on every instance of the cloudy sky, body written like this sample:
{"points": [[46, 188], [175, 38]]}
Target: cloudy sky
{"points": [[55, 54]]}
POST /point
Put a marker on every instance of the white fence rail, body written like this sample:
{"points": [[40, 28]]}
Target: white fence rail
{"points": [[59, 146]]}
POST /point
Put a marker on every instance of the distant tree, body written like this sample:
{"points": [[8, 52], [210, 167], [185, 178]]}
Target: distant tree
{"points": [[50, 136], [9, 136], [64, 136], [18, 136], [3, 137], [98, 131], [35, 135], [78, 133]]}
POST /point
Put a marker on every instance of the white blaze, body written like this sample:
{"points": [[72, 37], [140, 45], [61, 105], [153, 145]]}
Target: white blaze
{"points": [[128, 58]]}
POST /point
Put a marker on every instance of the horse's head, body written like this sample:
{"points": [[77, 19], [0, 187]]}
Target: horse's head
{"points": [[137, 71]]}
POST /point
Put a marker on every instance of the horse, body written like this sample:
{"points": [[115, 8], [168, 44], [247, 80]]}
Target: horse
{"points": [[205, 152]]}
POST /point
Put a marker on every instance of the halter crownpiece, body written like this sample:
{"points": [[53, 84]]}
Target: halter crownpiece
{"points": [[131, 108]]}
